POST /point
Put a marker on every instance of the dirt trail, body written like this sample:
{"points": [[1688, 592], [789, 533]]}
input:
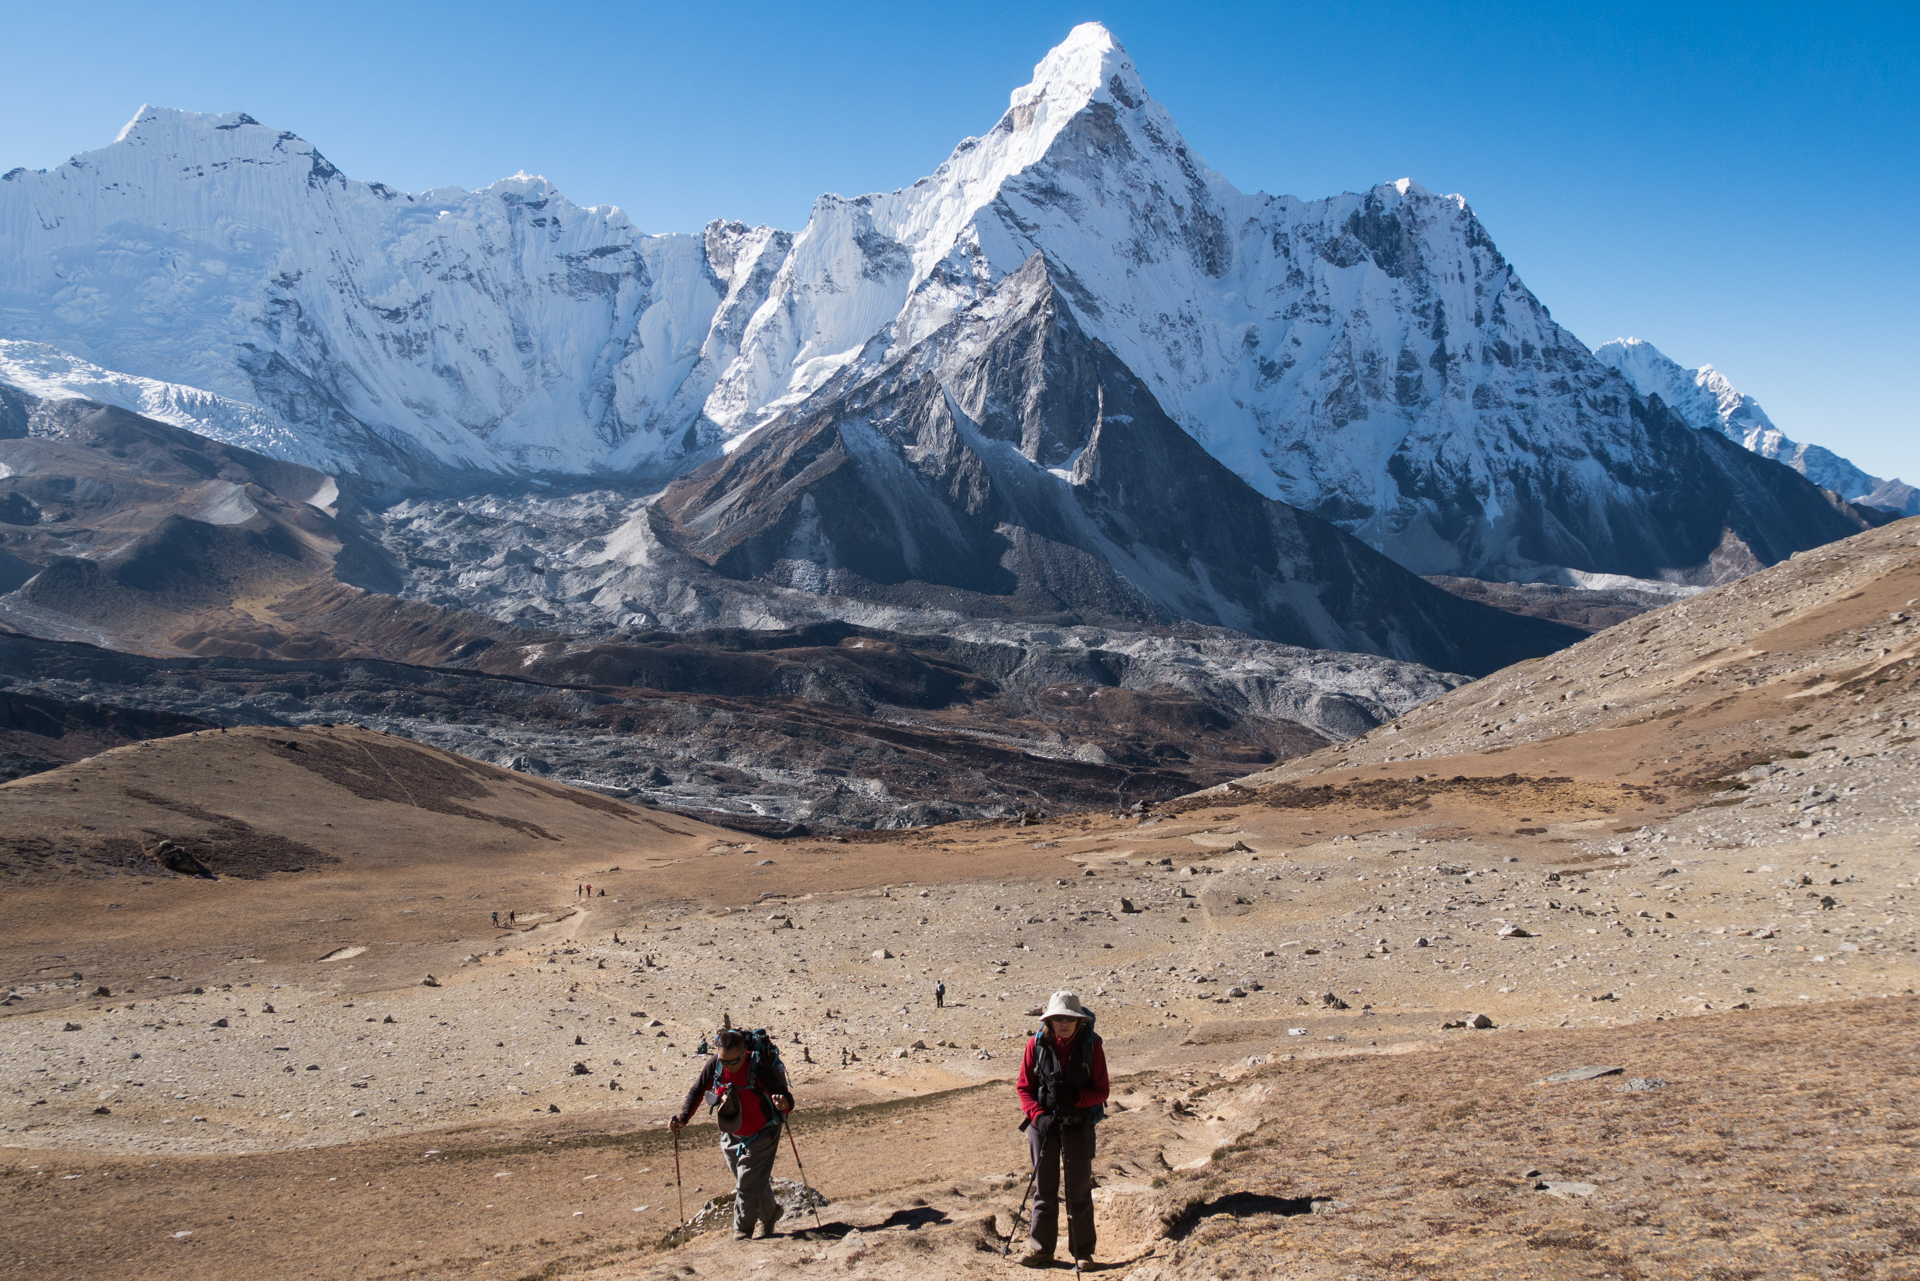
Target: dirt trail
{"points": [[1342, 1163]]}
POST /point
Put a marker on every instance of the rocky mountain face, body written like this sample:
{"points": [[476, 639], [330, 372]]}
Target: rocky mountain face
{"points": [[1371, 358], [1009, 464], [1707, 401], [157, 580]]}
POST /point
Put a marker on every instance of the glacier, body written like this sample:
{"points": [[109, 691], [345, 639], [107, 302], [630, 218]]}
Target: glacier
{"points": [[1371, 357], [1709, 402]]}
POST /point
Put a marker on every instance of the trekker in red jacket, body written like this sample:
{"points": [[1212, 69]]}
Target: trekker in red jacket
{"points": [[1063, 1090], [750, 1100]]}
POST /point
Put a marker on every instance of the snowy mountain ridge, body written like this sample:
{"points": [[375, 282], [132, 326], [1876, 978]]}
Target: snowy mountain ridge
{"points": [[1709, 402], [1370, 357]]}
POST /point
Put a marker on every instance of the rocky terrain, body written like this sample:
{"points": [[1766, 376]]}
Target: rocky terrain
{"points": [[1342, 997], [241, 584], [827, 728]]}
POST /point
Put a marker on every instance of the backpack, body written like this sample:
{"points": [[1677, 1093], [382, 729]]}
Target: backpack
{"points": [[1082, 1049], [763, 1053]]}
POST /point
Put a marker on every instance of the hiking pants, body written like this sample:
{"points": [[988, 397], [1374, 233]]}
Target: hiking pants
{"points": [[1071, 1146], [751, 1161]]}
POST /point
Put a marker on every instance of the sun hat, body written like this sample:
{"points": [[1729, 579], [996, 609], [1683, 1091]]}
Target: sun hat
{"points": [[1065, 1005]]}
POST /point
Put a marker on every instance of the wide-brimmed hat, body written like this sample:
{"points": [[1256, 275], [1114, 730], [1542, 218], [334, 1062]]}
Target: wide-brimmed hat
{"points": [[1065, 1005]]}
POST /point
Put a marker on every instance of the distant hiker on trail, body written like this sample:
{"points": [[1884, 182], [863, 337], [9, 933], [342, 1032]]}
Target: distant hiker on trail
{"points": [[940, 996], [749, 1095], [496, 920], [510, 918], [1063, 1090]]}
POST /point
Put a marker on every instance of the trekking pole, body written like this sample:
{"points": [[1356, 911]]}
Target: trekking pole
{"points": [[678, 1190], [806, 1189], [1033, 1174]]}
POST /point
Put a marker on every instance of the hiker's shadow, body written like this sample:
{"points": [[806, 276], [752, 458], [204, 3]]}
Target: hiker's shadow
{"points": [[924, 1216]]}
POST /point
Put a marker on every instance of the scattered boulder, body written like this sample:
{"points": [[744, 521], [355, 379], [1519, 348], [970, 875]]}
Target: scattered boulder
{"points": [[1581, 1074], [430, 981], [1640, 1085], [220, 1023], [180, 861], [881, 954], [1514, 932], [102, 991], [1566, 1191], [581, 1069], [1333, 1002]]}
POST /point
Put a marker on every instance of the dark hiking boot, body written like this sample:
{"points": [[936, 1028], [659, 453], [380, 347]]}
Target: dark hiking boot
{"points": [[1035, 1257]]}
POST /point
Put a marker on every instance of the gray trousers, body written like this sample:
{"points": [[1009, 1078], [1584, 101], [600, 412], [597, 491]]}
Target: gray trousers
{"points": [[1073, 1148], [751, 1161]]}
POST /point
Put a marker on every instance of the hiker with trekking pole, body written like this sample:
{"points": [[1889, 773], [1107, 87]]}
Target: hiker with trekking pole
{"points": [[1062, 1088], [746, 1086]]}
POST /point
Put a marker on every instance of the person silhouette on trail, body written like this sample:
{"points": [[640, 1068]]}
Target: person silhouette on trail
{"points": [[496, 920], [940, 995], [1062, 1088]]}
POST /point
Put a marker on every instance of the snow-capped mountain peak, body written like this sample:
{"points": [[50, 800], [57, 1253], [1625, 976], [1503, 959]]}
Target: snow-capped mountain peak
{"points": [[204, 141], [1370, 357], [1087, 63], [1707, 401]]}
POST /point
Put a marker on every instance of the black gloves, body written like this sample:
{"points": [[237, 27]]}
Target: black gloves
{"points": [[1046, 1125]]}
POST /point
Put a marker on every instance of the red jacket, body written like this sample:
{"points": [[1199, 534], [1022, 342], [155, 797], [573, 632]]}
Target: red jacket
{"points": [[1091, 1096]]}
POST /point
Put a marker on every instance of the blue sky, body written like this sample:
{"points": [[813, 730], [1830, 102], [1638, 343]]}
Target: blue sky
{"points": [[1735, 183]]}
